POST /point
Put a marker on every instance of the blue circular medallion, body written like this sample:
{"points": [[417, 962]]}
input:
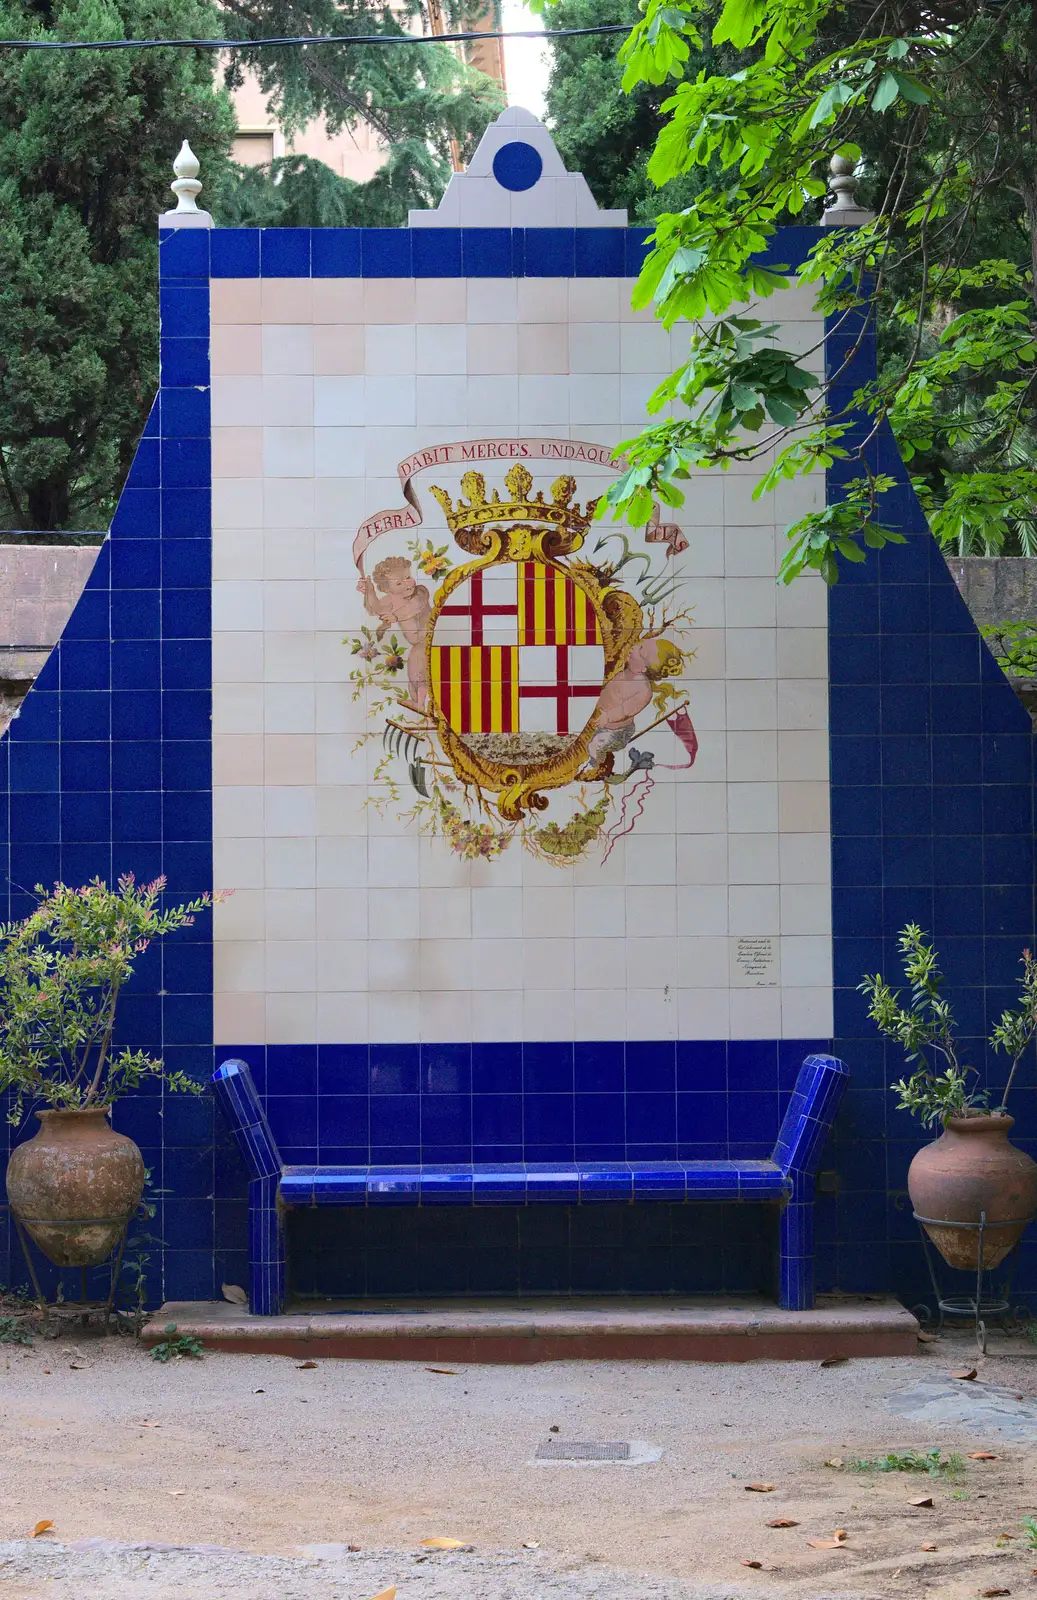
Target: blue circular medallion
{"points": [[517, 165]]}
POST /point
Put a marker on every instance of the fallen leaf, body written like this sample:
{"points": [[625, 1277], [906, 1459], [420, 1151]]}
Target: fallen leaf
{"points": [[47, 1371], [840, 1533], [554, 1428], [445, 1372], [834, 1361], [783, 1522], [760, 1488], [927, 1547], [442, 1544], [835, 1461], [76, 1366], [147, 1424], [926, 1338], [387, 1594], [988, 1594], [352, 1547], [305, 1366], [982, 1455], [42, 1527], [966, 1374], [176, 1491], [752, 1563], [234, 1293], [921, 1500], [531, 1544], [259, 1391], [826, 1544]]}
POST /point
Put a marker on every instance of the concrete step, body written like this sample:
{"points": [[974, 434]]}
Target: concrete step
{"points": [[681, 1328]]}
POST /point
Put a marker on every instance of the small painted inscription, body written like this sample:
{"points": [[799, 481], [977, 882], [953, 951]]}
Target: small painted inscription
{"points": [[754, 961]]}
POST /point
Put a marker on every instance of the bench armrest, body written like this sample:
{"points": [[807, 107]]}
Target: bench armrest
{"points": [[810, 1115], [243, 1109]]}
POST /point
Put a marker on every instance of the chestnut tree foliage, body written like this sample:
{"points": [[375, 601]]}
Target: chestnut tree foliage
{"points": [[936, 103]]}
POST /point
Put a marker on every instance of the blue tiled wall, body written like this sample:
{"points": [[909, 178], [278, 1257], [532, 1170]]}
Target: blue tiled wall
{"points": [[108, 769]]}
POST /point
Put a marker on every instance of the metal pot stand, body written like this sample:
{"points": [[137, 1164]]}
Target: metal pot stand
{"points": [[978, 1308]]}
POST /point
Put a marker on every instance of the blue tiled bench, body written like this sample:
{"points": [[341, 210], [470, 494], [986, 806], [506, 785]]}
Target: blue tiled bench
{"points": [[786, 1180]]}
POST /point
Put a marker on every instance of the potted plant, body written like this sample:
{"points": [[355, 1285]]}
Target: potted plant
{"points": [[972, 1168], [75, 1184]]}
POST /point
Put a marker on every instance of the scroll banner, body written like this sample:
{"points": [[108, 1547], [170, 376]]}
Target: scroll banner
{"points": [[475, 452]]}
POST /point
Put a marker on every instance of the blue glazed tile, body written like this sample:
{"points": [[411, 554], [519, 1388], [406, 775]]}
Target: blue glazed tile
{"points": [[84, 664], [183, 362], [284, 252], [385, 252], [955, 658], [636, 250], [137, 815], [600, 1119], [395, 1069], [437, 253], [496, 1068], [187, 968], [187, 1018], [186, 664], [486, 252], [600, 253], [136, 614], [83, 817], [701, 1065], [136, 663], [547, 1120], [187, 514], [186, 714], [496, 1121], [90, 616], [446, 1185], [335, 252], [40, 766], [135, 565], [605, 1181], [446, 1119], [184, 252], [446, 1069], [343, 1119], [234, 252], [651, 1119], [291, 1069], [651, 1065], [1008, 757], [186, 464], [548, 1182], [598, 1069], [959, 713], [343, 1069], [702, 1115], [752, 1065], [186, 614], [855, 710], [187, 816], [183, 313], [40, 817], [547, 1068], [550, 252], [395, 1120], [144, 470], [186, 564]]}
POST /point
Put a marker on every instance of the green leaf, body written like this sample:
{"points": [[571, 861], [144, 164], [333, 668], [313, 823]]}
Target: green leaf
{"points": [[887, 92]]}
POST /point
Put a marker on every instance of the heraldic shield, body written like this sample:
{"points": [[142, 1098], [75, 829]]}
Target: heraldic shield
{"points": [[525, 668]]}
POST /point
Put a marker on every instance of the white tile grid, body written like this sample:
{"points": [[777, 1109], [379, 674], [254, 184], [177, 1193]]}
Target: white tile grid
{"points": [[341, 925]]}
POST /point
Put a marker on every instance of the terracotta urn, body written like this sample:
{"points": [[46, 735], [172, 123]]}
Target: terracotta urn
{"points": [[74, 1185], [972, 1168]]}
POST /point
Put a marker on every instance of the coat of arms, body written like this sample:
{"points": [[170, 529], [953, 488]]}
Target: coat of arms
{"points": [[527, 668]]}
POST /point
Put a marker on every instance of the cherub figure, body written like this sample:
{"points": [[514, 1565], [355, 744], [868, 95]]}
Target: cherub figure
{"points": [[629, 692], [394, 596]]}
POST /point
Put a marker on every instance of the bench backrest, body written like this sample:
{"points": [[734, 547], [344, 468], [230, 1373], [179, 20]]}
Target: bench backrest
{"points": [[801, 1138], [811, 1112]]}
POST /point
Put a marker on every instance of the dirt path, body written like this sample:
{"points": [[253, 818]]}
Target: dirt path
{"points": [[258, 1455]]}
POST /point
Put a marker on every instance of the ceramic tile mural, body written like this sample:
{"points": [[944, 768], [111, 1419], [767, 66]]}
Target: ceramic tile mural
{"points": [[485, 768], [353, 625]]}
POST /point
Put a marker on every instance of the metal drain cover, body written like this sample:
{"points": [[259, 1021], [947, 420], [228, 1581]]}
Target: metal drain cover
{"points": [[581, 1450]]}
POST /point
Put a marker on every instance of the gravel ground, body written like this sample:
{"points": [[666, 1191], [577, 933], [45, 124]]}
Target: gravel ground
{"points": [[276, 1468]]}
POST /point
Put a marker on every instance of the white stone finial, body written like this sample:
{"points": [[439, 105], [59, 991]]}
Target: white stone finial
{"points": [[187, 188], [844, 212], [186, 185]]}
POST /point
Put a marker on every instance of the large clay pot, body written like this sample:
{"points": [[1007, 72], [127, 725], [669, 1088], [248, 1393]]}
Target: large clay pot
{"points": [[971, 1168], [74, 1186]]}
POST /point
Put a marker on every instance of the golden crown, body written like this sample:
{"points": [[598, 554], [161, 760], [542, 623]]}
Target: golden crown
{"points": [[520, 506]]}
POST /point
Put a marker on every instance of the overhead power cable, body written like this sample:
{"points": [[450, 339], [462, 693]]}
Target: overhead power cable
{"points": [[302, 42]]}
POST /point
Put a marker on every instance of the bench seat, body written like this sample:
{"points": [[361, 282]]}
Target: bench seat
{"points": [[525, 1184], [785, 1181]]}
